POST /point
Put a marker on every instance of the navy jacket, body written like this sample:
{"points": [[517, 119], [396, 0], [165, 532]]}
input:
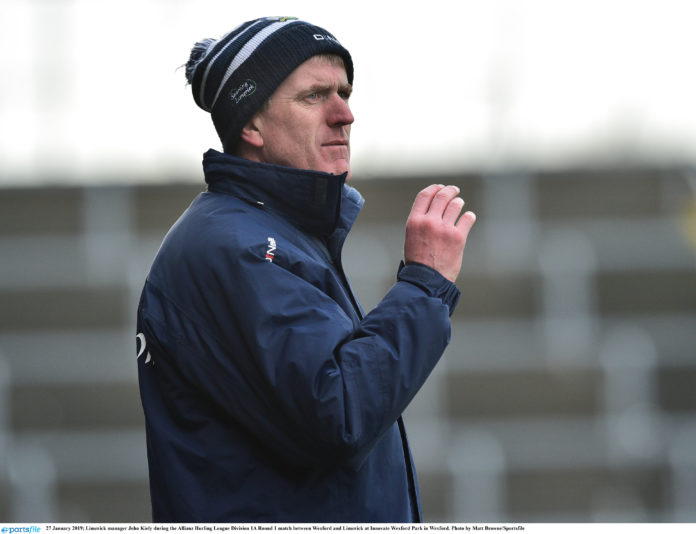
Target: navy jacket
{"points": [[268, 396]]}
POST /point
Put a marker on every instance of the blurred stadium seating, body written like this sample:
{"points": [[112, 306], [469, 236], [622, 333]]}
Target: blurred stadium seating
{"points": [[568, 392]]}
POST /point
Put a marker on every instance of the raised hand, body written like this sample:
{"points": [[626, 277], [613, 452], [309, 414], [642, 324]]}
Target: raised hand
{"points": [[435, 233]]}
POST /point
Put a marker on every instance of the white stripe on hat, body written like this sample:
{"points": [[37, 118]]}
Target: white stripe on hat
{"points": [[248, 49], [210, 63]]}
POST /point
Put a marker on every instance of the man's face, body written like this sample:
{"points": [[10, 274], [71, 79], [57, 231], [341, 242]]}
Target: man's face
{"points": [[307, 122]]}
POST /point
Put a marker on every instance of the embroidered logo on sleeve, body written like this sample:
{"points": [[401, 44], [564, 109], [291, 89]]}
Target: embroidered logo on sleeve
{"points": [[270, 253]]}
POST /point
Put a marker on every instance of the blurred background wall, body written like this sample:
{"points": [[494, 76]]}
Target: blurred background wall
{"points": [[569, 390]]}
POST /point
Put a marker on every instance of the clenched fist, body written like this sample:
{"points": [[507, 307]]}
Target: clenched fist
{"points": [[435, 233]]}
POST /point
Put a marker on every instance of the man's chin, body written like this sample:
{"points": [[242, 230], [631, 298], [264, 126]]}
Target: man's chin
{"points": [[338, 171], [337, 168], [348, 176], [341, 169]]}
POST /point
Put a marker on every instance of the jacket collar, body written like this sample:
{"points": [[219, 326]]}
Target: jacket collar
{"points": [[317, 202]]}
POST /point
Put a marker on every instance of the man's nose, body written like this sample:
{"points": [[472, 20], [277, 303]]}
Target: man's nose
{"points": [[339, 112]]}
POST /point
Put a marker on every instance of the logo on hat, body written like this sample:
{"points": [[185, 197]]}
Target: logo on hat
{"points": [[325, 37], [246, 89], [280, 19]]}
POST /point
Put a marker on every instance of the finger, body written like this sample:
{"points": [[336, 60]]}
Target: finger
{"points": [[452, 211], [424, 198], [466, 221], [442, 199]]}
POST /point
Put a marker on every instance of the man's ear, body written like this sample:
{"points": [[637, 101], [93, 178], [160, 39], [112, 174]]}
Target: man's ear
{"points": [[251, 134]]}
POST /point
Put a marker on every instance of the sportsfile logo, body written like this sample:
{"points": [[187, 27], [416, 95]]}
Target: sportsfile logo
{"points": [[16, 530]]}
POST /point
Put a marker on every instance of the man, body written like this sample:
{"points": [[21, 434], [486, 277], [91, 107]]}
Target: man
{"points": [[268, 395]]}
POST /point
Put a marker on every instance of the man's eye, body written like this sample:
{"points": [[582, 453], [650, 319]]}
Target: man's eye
{"points": [[313, 96]]}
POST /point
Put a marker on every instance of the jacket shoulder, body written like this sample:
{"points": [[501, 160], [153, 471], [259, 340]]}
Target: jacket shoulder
{"points": [[215, 226]]}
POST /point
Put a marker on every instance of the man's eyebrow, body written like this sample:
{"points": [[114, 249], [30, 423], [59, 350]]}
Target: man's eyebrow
{"points": [[326, 87]]}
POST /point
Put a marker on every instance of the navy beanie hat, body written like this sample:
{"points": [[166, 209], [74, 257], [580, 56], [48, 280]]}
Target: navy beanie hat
{"points": [[234, 76]]}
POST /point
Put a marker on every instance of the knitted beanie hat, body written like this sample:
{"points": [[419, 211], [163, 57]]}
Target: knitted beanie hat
{"points": [[234, 76]]}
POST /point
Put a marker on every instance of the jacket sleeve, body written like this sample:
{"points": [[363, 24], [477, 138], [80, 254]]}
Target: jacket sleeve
{"points": [[281, 358]]}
